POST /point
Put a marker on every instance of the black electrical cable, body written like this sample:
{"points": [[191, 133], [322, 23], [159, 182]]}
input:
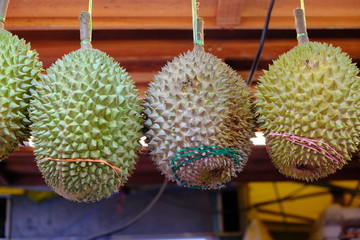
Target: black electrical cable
{"points": [[137, 217], [261, 44]]}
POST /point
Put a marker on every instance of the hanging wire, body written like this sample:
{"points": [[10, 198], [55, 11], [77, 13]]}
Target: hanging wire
{"points": [[3, 9], [138, 216], [194, 8], [302, 5], [90, 12], [261, 45]]}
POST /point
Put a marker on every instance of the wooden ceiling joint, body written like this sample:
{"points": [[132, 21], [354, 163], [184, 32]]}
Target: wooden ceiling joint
{"points": [[229, 13]]}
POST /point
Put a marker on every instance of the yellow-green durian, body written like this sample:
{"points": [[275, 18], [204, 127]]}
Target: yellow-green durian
{"points": [[311, 92], [86, 107], [197, 100], [19, 68]]}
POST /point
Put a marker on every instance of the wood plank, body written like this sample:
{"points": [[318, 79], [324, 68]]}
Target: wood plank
{"points": [[176, 14], [286, 22], [313, 8], [66, 23], [109, 8], [174, 8], [229, 12], [129, 52]]}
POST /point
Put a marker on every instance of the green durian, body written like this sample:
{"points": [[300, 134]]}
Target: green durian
{"points": [[19, 68], [86, 107], [311, 92], [198, 100]]}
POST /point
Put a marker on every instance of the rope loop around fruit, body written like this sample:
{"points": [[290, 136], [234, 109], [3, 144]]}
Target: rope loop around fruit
{"points": [[2, 19], [316, 145], [117, 170], [196, 153]]}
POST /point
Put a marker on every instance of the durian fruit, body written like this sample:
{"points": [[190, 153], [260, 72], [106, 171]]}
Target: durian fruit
{"points": [[198, 100], [86, 107], [310, 92], [19, 68]]}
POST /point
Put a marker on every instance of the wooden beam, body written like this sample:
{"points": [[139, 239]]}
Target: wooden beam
{"points": [[176, 14], [229, 12], [178, 23], [160, 51], [133, 14], [109, 8]]}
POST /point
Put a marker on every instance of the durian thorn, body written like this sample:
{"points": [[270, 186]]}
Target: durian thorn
{"points": [[116, 169], [300, 26], [85, 30], [3, 9]]}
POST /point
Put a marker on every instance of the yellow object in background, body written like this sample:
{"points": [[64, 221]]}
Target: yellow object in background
{"points": [[312, 201], [40, 196], [11, 191], [256, 230]]}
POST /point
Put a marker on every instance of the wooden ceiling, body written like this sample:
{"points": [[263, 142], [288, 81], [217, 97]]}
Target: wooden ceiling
{"points": [[176, 14], [143, 35]]}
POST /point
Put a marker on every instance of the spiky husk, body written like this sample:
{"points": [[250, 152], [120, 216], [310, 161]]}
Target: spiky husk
{"points": [[19, 67], [310, 92], [86, 107], [197, 100]]}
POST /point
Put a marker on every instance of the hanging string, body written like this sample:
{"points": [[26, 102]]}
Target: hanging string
{"points": [[90, 22], [300, 22], [302, 6], [3, 9], [116, 170], [197, 33]]}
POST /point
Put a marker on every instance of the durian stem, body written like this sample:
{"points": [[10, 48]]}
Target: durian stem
{"points": [[3, 9], [199, 45], [85, 30], [300, 26]]}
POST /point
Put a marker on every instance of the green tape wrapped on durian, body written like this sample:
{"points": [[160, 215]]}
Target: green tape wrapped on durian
{"points": [[19, 68], [197, 101], [310, 92], [86, 107]]}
